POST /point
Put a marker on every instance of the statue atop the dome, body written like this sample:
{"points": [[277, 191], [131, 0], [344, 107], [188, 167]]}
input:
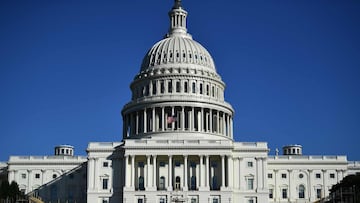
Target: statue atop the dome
{"points": [[177, 4]]}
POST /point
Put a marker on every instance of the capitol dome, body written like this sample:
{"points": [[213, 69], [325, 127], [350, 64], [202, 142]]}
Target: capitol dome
{"points": [[177, 90], [177, 50]]}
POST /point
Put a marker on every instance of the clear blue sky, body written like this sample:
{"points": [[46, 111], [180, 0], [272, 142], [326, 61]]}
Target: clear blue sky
{"points": [[292, 69]]}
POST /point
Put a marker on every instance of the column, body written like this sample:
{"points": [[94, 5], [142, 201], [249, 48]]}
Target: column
{"points": [[137, 123], [183, 118], [207, 175], [324, 182], [96, 173], [275, 185], [224, 123], [127, 170], [202, 120], [145, 121], [241, 167], [310, 188], [222, 171], [163, 118], [192, 119], [201, 172], [170, 168], [12, 175], [132, 171], [29, 181], [199, 121], [264, 173], [154, 172], [217, 122], [42, 176], [290, 197], [231, 127], [148, 172], [206, 119], [258, 173], [211, 121], [228, 126], [186, 172], [153, 120], [173, 114], [230, 172]]}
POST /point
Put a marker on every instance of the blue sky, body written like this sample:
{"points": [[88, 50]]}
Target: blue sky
{"points": [[292, 69]]}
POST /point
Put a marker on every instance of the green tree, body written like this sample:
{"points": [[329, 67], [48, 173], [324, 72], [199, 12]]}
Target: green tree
{"points": [[14, 191], [4, 189]]}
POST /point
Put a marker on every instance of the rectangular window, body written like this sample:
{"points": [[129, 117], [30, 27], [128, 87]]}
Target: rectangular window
{"points": [[162, 87], [193, 89], [154, 88], [105, 184], [178, 86], [250, 201], [318, 175], [215, 200], [201, 88], [332, 175], [140, 201], [271, 193], [105, 201], [250, 164], [105, 164], [141, 164], [162, 164], [162, 200], [250, 183], [23, 175], [269, 175], [177, 163], [170, 86], [283, 175], [284, 193], [193, 200], [37, 176], [318, 193]]}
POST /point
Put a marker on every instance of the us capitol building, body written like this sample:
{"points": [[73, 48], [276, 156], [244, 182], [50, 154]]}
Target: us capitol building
{"points": [[178, 145]]}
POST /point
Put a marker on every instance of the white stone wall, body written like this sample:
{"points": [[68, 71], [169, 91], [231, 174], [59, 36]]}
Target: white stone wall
{"points": [[30, 172], [315, 174]]}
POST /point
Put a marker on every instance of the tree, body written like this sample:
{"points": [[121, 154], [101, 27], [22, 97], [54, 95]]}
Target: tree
{"points": [[348, 190], [9, 192], [14, 191], [4, 189]]}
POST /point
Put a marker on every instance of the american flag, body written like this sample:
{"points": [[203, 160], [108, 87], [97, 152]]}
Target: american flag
{"points": [[171, 119]]}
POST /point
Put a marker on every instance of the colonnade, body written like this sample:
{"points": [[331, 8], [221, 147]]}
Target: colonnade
{"points": [[183, 86], [178, 172], [182, 118], [311, 185]]}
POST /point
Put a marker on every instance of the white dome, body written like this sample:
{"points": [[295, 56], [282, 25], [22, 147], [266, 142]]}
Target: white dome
{"points": [[177, 49]]}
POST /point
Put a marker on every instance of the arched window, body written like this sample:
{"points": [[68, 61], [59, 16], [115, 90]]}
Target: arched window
{"points": [[301, 192], [162, 183], [193, 183], [141, 183]]}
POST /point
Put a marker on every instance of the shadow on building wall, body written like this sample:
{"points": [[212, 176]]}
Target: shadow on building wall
{"points": [[68, 188]]}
